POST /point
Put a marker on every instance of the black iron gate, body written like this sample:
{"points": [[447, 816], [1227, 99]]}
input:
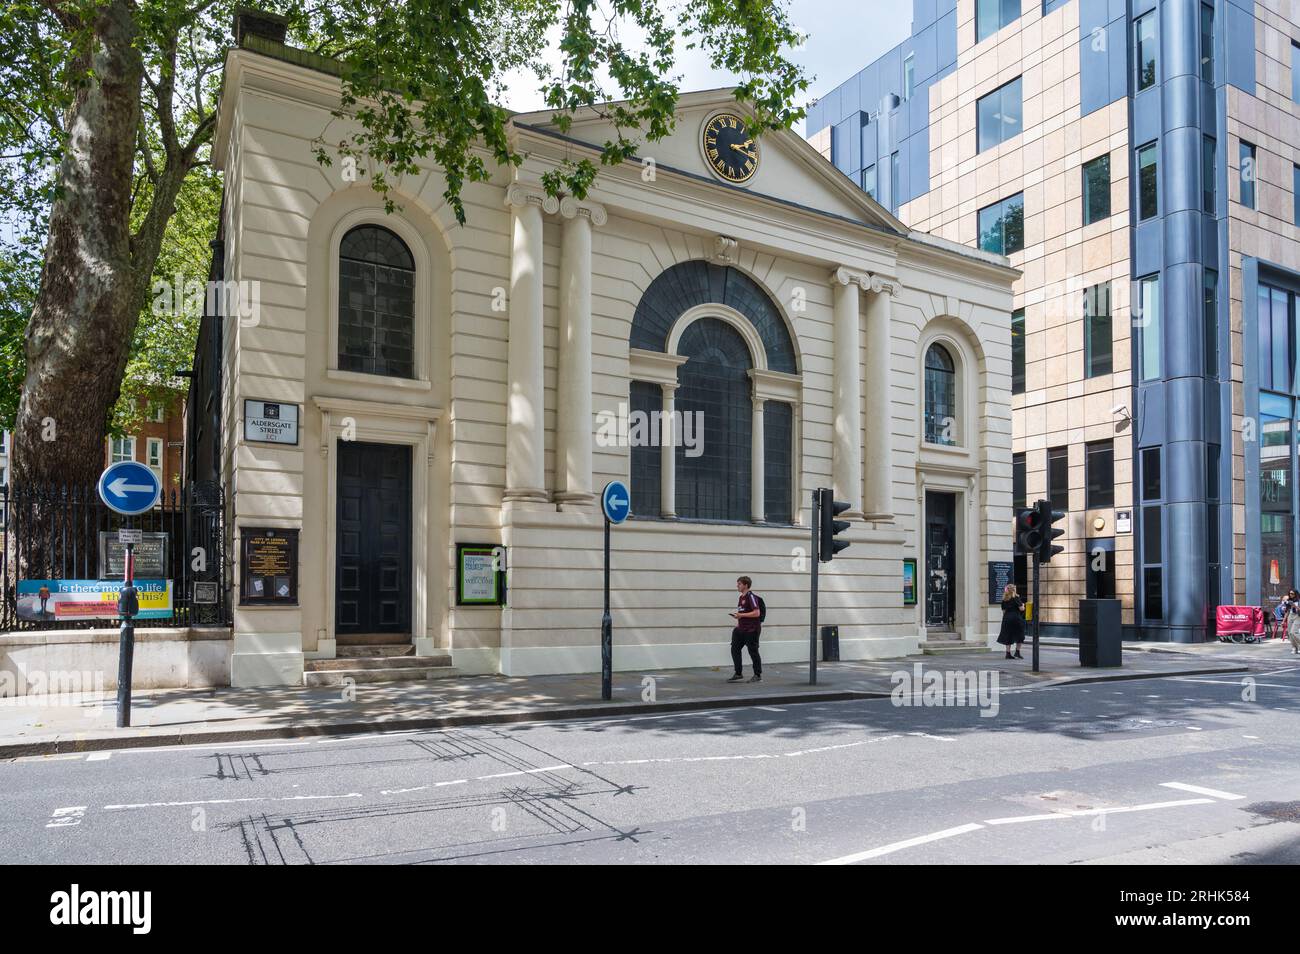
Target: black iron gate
{"points": [[53, 533]]}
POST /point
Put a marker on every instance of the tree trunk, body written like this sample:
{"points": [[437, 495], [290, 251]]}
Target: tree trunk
{"points": [[79, 335]]}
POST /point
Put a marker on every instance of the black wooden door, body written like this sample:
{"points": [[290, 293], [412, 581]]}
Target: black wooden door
{"points": [[373, 544], [940, 559]]}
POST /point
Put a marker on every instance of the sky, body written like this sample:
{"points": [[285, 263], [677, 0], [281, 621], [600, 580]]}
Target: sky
{"points": [[844, 36]]}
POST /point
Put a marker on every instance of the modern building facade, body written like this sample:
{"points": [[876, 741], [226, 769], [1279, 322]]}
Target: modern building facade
{"points": [[1139, 163], [468, 390]]}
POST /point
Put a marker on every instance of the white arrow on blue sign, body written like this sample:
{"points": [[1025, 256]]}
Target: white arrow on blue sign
{"points": [[129, 487], [616, 501]]}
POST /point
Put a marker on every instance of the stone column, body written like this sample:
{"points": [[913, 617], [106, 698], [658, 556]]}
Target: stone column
{"points": [[846, 457], [667, 459], [757, 457], [525, 400], [878, 500], [574, 420]]}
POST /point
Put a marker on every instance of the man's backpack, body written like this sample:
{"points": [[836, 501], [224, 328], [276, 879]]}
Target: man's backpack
{"points": [[762, 608]]}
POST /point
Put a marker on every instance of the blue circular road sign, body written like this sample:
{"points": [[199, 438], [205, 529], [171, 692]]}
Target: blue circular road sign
{"points": [[616, 501], [129, 487]]}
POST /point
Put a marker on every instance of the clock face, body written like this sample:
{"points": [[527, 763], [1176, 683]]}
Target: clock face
{"points": [[728, 149]]}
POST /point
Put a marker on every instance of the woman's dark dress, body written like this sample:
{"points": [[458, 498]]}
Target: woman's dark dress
{"points": [[1013, 622]]}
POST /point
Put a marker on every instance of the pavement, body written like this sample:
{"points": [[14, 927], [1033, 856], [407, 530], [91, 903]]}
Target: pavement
{"points": [[87, 722], [1157, 771]]}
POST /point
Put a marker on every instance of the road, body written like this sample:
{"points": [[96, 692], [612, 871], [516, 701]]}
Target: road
{"points": [[1193, 769]]}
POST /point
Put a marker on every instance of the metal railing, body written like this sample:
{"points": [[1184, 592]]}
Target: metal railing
{"points": [[57, 533]]}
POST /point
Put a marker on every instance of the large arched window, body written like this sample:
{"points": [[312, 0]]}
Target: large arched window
{"points": [[940, 397], [713, 397], [376, 303]]}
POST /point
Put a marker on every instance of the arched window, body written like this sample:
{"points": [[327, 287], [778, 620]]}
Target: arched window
{"points": [[940, 397], [376, 303], [714, 399]]}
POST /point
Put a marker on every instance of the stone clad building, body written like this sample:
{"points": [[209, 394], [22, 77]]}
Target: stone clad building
{"points": [[480, 384]]}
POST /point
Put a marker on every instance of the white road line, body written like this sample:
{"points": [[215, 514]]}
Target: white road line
{"points": [[770, 708], [1053, 816], [99, 756], [231, 801], [549, 768], [1250, 737], [936, 738], [68, 817], [900, 845], [1149, 806], [1199, 790]]}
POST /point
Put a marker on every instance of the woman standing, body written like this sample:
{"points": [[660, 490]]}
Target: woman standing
{"points": [[1291, 620], [1013, 621]]}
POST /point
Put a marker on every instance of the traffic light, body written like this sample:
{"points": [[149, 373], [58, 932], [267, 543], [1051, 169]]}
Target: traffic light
{"points": [[830, 527], [1046, 517], [1029, 531]]}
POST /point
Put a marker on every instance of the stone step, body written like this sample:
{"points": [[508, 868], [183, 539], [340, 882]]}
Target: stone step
{"points": [[370, 639], [337, 677], [947, 647], [377, 662], [390, 650]]}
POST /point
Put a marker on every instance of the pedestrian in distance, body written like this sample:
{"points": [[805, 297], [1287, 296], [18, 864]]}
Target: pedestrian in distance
{"points": [[1291, 619], [749, 615], [1012, 632]]}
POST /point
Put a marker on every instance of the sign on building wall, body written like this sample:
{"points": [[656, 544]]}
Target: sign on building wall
{"points": [[268, 565], [1001, 573], [46, 600], [1123, 521], [271, 422], [909, 581], [480, 574], [150, 555]]}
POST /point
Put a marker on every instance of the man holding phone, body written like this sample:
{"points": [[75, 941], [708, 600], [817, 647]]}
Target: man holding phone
{"points": [[746, 632]]}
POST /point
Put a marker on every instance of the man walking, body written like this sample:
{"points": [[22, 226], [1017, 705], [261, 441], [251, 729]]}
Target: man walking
{"points": [[747, 631]]}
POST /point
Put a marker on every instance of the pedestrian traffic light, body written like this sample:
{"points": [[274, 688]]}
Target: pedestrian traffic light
{"points": [[1029, 532], [829, 509], [1046, 517]]}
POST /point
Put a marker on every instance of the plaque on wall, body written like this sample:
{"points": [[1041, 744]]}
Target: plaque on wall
{"points": [[909, 581], [273, 422], [1001, 573], [150, 556], [480, 574], [268, 566]]}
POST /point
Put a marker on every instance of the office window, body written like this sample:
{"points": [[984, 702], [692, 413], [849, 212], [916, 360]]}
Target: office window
{"points": [[1208, 147], [1246, 170], [1207, 42], [1019, 482], [1144, 45], [1295, 72], [869, 181], [1150, 474], [1210, 317], [1276, 515], [1295, 194], [1058, 477], [909, 75], [1148, 181], [999, 115], [1147, 318], [120, 449], [1151, 553], [1002, 225], [1100, 467], [1096, 190], [1212, 458], [1273, 330], [1018, 351], [1097, 349], [895, 198], [993, 15]]}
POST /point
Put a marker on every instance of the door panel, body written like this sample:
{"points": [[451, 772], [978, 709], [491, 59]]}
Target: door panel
{"points": [[373, 548], [940, 560]]}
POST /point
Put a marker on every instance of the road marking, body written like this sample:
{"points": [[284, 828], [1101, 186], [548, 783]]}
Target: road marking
{"points": [[936, 738], [230, 801], [99, 756], [549, 768], [1025, 818], [1250, 737], [770, 708], [1199, 790], [900, 845], [66, 817], [1149, 806]]}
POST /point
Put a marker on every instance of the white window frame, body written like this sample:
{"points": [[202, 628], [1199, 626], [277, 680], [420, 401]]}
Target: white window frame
{"points": [[113, 456], [150, 444]]}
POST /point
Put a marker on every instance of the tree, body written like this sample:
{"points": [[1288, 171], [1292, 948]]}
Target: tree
{"points": [[107, 110]]}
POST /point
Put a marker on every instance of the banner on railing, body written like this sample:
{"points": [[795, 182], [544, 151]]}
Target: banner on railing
{"points": [[41, 601]]}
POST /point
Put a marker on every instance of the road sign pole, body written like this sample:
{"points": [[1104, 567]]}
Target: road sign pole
{"points": [[606, 634], [126, 607], [1037, 613], [812, 610]]}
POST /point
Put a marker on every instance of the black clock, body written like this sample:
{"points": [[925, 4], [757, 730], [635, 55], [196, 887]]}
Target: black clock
{"points": [[729, 149]]}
